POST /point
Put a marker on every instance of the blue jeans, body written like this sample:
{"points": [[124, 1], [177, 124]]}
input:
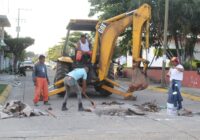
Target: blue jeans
{"points": [[70, 82], [178, 82], [174, 94]]}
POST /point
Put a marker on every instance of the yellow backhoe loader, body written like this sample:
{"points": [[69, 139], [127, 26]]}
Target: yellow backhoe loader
{"points": [[106, 35]]}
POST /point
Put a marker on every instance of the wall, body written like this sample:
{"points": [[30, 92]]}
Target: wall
{"points": [[191, 78]]}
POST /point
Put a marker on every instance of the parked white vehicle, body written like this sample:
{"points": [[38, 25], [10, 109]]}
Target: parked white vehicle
{"points": [[27, 64]]}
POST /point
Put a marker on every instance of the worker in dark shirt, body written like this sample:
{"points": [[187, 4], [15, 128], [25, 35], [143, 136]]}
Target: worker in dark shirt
{"points": [[41, 81]]}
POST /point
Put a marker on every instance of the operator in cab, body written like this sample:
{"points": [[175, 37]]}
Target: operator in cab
{"points": [[83, 48]]}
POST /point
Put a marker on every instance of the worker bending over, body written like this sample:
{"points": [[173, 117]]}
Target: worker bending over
{"points": [[70, 82]]}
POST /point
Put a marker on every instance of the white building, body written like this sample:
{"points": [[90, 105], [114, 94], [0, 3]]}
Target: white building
{"points": [[4, 22]]}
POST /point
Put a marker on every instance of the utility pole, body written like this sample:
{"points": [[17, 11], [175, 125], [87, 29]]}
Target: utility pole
{"points": [[18, 22], [163, 82], [18, 28]]}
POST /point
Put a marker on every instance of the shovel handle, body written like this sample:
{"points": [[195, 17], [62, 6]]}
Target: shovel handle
{"points": [[93, 104]]}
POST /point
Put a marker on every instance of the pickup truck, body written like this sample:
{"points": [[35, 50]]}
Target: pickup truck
{"points": [[27, 65]]}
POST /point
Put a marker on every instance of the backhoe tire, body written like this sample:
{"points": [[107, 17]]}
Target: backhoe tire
{"points": [[61, 69], [103, 92]]}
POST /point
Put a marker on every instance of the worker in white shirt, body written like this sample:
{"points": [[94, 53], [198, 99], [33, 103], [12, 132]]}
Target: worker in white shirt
{"points": [[175, 75], [83, 48]]}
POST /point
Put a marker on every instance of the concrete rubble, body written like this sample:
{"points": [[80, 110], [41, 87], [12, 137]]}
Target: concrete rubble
{"points": [[149, 107], [115, 108], [19, 109]]}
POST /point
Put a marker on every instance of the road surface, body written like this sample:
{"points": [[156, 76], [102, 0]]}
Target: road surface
{"points": [[74, 125]]}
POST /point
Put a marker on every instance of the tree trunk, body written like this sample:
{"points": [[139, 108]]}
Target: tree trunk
{"points": [[190, 45], [16, 58], [183, 45], [177, 47]]}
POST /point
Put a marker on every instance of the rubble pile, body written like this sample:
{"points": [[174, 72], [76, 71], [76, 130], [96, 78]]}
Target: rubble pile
{"points": [[149, 107], [115, 108], [18, 109]]}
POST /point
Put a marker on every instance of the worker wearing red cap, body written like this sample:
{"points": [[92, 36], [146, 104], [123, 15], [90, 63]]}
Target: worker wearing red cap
{"points": [[176, 76], [176, 71]]}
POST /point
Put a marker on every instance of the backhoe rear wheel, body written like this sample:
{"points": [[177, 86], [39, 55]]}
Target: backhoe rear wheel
{"points": [[61, 69]]}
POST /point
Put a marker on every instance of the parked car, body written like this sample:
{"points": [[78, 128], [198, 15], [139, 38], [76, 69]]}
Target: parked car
{"points": [[27, 65]]}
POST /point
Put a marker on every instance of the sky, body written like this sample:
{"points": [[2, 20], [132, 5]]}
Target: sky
{"points": [[43, 20]]}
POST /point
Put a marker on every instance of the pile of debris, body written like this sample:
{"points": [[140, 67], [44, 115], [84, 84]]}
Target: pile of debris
{"points": [[149, 107], [18, 109], [115, 108]]}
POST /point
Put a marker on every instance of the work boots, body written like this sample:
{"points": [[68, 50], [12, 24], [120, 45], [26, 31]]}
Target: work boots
{"points": [[80, 107], [46, 103], [64, 108]]}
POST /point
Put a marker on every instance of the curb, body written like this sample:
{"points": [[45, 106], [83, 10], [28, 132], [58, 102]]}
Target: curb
{"points": [[5, 94], [184, 94]]}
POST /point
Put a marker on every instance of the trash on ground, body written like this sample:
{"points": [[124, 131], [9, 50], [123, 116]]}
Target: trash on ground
{"points": [[87, 110], [133, 111], [16, 83], [19, 109], [185, 112]]}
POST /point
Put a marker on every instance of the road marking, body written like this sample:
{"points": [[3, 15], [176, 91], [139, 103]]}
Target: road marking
{"points": [[184, 94]]}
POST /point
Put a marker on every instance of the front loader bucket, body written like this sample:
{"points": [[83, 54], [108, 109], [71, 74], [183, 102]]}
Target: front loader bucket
{"points": [[139, 80]]}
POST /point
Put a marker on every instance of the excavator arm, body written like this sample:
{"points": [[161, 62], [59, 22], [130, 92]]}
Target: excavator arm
{"points": [[106, 36], [108, 31]]}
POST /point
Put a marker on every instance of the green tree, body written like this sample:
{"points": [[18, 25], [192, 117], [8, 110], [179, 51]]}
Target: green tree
{"points": [[184, 26], [54, 52], [111, 8], [184, 21], [18, 46]]}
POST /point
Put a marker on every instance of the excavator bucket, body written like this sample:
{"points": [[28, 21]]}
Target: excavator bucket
{"points": [[139, 80]]}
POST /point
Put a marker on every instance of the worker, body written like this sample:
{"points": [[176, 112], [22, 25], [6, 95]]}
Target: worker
{"points": [[83, 48], [176, 76], [70, 82], [41, 81]]}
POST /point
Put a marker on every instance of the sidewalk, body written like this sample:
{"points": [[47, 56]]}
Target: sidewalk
{"points": [[9, 80]]}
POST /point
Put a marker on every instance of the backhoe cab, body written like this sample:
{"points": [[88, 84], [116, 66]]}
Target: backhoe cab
{"points": [[106, 33]]}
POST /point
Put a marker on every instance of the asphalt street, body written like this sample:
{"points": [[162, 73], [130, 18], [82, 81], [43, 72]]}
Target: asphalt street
{"points": [[74, 125]]}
